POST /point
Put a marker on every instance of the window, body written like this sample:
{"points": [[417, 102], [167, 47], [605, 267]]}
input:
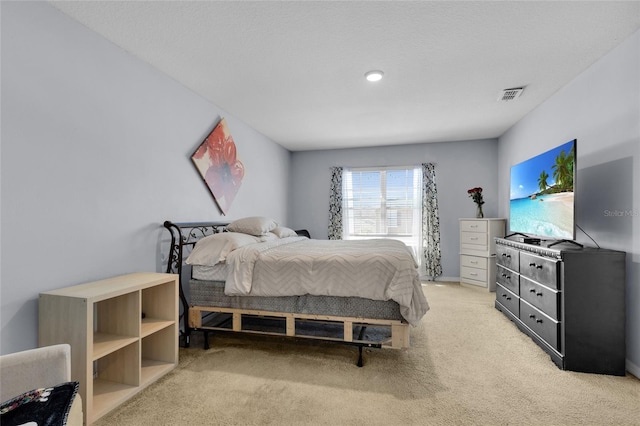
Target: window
{"points": [[383, 203]]}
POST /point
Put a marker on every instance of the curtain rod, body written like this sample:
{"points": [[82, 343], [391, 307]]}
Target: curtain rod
{"points": [[383, 167]]}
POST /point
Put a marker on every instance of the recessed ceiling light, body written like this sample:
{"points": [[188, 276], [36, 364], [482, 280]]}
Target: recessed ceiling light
{"points": [[374, 75]]}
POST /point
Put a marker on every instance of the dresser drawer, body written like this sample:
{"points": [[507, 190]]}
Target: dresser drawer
{"points": [[540, 269], [473, 261], [544, 326], [543, 298], [473, 226], [508, 257], [508, 300], [508, 279], [474, 241], [474, 274]]}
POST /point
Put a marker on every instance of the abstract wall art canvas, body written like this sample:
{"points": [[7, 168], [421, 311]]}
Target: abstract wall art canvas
{"points": [[217, 161]]}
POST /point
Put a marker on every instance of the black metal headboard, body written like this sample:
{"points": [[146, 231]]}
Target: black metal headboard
{"points": [[183, 237], [187, 234]]}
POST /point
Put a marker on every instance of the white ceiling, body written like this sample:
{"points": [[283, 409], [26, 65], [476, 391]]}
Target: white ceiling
{"points": [[294, 70]]}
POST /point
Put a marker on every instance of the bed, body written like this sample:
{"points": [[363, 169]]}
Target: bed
{"points": [[254, 276]]}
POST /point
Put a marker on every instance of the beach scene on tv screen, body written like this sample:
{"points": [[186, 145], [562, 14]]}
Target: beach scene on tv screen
{"points": [[541, 194]]}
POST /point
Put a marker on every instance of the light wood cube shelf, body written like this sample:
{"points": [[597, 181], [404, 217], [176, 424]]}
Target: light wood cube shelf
{"points": [[123, 333]]}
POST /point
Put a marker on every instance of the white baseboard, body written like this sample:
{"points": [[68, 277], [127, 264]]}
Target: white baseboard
{"points": [[427, 278], [633, 369]]}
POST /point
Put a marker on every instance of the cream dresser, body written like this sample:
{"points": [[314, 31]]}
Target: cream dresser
{"points": [[478, 251]]}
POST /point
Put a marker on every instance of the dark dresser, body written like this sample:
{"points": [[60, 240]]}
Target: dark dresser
{"points": [[569, 300]]}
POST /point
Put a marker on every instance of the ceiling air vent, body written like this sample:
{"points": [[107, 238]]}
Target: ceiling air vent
{"points": [[510, 94]]}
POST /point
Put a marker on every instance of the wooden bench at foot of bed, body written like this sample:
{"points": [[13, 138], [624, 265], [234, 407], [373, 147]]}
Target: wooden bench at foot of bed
{"points": [[231, 319]]}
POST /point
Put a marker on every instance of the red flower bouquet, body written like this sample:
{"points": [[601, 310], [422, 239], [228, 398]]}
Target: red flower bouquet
{"points": [[476, 194]]}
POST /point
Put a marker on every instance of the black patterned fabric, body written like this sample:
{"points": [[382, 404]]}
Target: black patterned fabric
{"points": [[42, 407], [335, 204], [430, 222]]}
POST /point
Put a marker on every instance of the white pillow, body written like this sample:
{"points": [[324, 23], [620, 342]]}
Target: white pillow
{"points": [[269, 236], [214, 249], [256, 225], [284, 232]]}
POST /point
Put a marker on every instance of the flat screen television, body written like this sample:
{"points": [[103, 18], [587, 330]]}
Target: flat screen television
{"points": [[542, 203]]}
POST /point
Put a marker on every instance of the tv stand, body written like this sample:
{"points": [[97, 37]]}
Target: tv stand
{"points": [[570, 301], [565, 241]]}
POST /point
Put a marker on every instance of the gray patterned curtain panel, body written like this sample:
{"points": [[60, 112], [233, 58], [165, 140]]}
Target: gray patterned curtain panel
{"points": [[430, 222], [335, 204]]}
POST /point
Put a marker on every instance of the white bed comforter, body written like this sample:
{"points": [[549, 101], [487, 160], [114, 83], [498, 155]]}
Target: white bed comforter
{"points": [[378, 269]]}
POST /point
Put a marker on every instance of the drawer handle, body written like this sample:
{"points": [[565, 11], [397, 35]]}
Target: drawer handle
{"points": [[473, 238], [533, 265], [533, 290], [506, 297], [539, 321], [538, 294], [508, 256], [473, 274]]}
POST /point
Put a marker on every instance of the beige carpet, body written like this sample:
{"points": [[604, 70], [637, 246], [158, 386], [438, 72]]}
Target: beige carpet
{"points": [[468, 364]]}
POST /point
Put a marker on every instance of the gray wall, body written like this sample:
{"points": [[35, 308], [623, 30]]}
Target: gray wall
{"points": [[459, 166], [96, 152], [601, 108]]}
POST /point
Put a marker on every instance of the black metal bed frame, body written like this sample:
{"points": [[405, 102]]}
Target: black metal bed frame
{"points": [[185, 235]]}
